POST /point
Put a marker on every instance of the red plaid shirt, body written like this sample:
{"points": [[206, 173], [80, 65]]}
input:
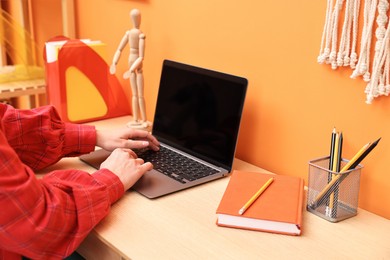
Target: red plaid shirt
{"points": [[47, 218]]}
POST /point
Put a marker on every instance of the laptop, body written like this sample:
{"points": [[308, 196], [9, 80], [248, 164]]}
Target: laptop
{"points": [[197, 116]]}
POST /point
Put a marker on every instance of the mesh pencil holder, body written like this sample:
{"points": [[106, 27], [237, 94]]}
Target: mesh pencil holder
{"points": [[332, 195]]}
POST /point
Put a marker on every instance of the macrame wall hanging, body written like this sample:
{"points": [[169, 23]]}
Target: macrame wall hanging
{"points": [[362, 47]]}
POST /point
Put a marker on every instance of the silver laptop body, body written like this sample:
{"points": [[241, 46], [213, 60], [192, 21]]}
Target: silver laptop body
{"points": [[198, 114]]}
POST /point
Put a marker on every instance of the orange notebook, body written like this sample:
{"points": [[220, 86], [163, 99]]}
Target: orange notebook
{"points": [[277, 210]]}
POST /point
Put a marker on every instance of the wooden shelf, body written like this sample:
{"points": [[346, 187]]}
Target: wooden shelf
{"points": [[32, 88]]}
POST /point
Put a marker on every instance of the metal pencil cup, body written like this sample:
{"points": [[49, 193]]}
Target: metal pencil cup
{"points": [[332, 195]]}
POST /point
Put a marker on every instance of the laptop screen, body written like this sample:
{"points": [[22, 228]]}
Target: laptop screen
{"points": [[199, 111]]}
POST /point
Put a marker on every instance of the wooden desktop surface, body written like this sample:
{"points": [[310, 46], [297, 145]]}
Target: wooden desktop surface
{"points": [[182, 226]]}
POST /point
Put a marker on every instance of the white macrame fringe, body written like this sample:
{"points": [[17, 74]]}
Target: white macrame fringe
{"points": [[325, 42], [376, 86], [363, 65], [355, 29], [342, 51], [343, 58]]}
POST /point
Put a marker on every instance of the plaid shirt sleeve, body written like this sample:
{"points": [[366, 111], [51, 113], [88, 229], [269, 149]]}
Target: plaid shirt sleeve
{"points": [[50, 217], [40, 138]]}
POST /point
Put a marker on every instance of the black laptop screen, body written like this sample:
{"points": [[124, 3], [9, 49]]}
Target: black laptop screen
{"points": [[199, 111]]}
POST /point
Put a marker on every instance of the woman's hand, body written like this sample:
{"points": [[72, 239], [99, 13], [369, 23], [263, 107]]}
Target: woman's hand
{"points": [[125, 164], [126, 138]]}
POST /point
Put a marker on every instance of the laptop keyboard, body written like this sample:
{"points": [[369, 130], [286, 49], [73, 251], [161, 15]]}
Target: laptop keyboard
{"points": [[175, 165]]}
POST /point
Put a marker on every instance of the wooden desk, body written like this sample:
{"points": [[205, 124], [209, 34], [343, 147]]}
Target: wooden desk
{"points": [[182, 226]]}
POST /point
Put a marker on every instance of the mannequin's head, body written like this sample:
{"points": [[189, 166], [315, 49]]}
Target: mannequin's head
{"points": [[135, 16]]}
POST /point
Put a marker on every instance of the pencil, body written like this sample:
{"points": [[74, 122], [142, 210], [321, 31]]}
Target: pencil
{"points": [[331, 157], [352, 164], [335, 164], [365, 153], [335, 195], [339, 152], [331, 153], [359, 156], [254, 197]]}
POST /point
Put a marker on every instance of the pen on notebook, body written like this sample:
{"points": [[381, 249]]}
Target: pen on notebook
{"points": [[254, 197]]}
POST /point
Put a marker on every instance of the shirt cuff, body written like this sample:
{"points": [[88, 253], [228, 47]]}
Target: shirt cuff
{"points": [[114, 186], [79, 139]]}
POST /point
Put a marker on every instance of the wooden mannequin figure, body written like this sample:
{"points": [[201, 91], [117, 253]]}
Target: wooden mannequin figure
{"points": [[136, 39]]}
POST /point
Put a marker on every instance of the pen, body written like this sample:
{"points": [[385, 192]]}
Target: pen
{"points": [[254, 197]]}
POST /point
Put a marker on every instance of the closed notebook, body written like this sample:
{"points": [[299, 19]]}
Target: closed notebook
{"points": [[277, 210]]}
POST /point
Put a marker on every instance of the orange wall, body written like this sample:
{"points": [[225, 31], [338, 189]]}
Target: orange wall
{"points": [[47, 22], [292, 103]]}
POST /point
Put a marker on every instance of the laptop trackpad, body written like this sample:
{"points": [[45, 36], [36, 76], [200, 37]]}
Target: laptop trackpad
{"points": [[154, 184]]}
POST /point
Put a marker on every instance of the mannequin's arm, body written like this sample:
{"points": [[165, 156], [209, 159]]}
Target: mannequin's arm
{"points": [[118, 52], [138, 62]]}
